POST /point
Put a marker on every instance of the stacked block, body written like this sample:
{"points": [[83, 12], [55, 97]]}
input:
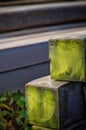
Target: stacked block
{"points": [[57, 102], [42, 103], [67, 59], [54, 104]]}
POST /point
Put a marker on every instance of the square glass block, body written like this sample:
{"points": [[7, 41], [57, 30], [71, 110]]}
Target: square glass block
{"points": [[39, 128], [67, 59], [54, 104]]}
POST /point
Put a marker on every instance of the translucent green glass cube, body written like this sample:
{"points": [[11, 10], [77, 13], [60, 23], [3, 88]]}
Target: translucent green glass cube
{"points": [[67, 59], [54, 104], [39, 128]]}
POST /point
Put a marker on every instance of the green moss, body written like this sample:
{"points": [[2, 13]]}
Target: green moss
{"points": [[33, 101], [67, 60], [48, 105], [41, 107]]}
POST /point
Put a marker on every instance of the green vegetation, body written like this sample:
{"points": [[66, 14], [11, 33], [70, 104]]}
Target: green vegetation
{"points": [[41, 107], [13, 111], [67, 60]]}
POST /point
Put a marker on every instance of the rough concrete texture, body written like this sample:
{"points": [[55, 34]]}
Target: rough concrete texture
{"points": [[67, 58], [54, 104]]}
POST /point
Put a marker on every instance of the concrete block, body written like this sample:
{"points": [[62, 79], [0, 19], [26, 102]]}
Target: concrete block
{"points": [[54, 104], [67, 58]]}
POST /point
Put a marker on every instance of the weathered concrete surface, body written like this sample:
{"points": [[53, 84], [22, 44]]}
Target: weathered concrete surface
{"points": [[64, 103], [68, 57]]}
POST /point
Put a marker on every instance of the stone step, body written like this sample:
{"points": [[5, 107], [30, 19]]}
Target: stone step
{"points": [[68, 57], [54, 104]]}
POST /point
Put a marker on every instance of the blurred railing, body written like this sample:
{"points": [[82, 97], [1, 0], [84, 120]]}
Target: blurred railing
{"points": [[21, 2], [24, 34], [35, 16]]}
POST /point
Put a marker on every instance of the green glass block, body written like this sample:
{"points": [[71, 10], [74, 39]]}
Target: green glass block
{"points": [[39, 128], [49, 103], [67, 59]]}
